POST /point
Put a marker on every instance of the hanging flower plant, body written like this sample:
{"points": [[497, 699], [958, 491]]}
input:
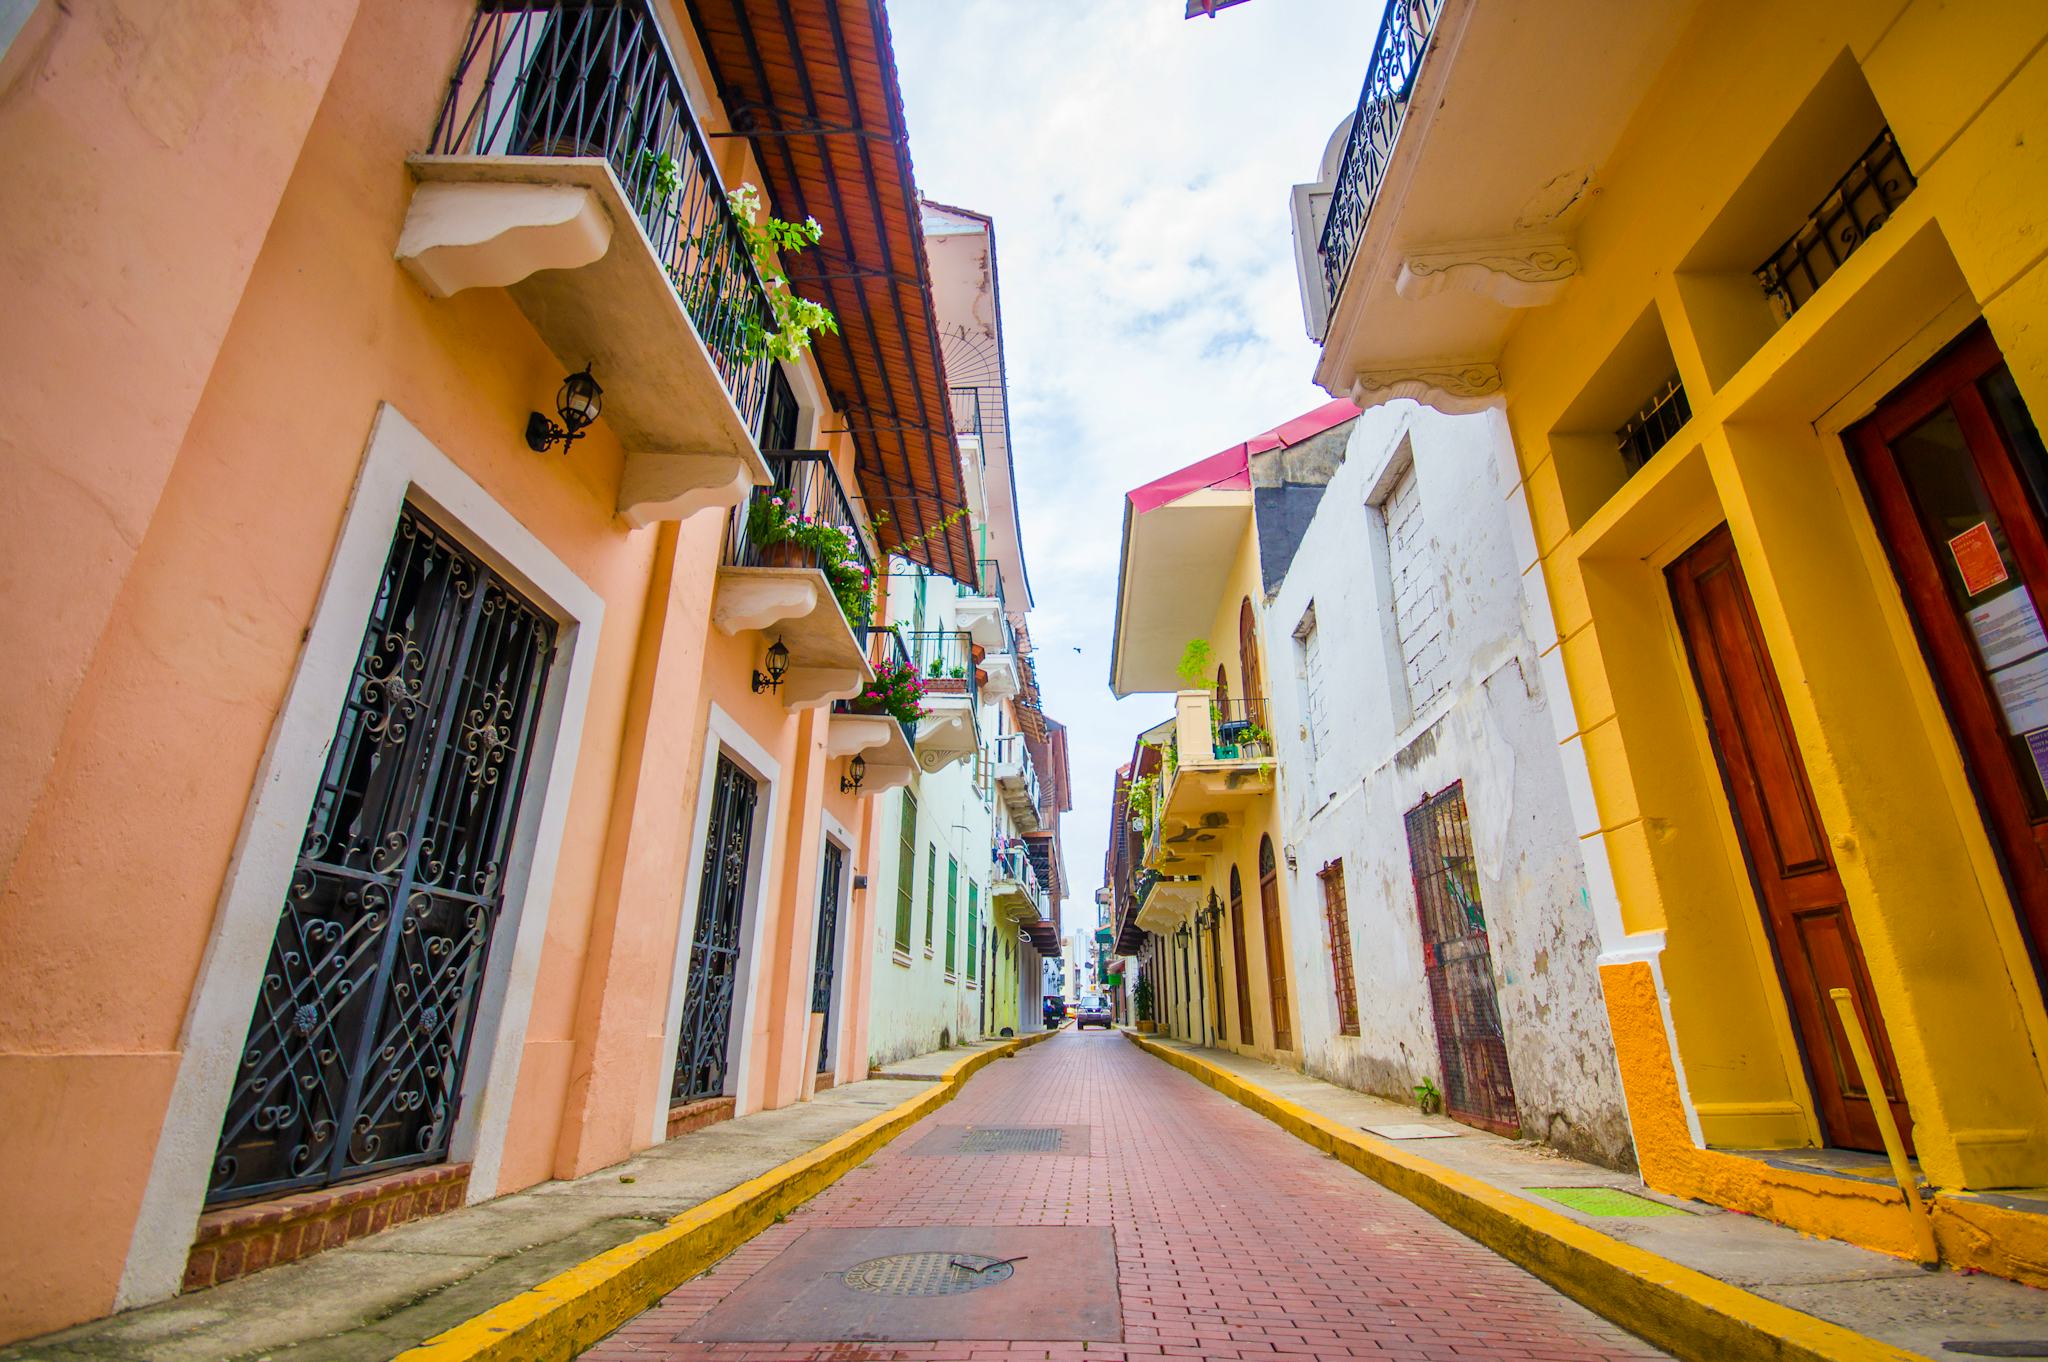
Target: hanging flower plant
{"points": [[897, 691], [834, 550]]}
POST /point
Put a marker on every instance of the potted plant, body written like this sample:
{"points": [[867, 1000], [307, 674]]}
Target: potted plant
{"points": [[785, 536], [897, 691], [1141, 1003]]}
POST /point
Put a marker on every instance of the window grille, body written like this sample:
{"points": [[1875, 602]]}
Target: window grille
{"points": [[1862, 201], [1652, 427], [1337, 917]]}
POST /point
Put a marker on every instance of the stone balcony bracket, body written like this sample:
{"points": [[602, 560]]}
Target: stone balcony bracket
{"points": [[1454, 387], [1513, 274], [795, 605]]}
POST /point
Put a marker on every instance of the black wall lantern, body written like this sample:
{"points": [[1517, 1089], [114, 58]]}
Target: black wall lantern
{"points": [[778, 665], [579, 402], [856, 772]]}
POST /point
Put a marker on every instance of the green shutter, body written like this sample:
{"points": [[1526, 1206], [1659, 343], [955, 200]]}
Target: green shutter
{"points": [[952, 907], [973, 928], [931, 891], [906, 872]]}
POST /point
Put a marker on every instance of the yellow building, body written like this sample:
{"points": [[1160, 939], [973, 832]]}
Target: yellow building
{"points": [[1761, 291]]}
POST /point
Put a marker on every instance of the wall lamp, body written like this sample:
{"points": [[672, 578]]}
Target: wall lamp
{"points": [[778, 667], [579, 402], [1182, 933], [856, 772]]}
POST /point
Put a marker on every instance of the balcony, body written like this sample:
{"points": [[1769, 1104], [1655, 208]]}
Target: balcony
{"points": [[1016, 779], [980, 610], [951, 728], [797, 566], [567, 167], [1014, 887], [1452, 193], [1165, 901], [1218, 765], [858, 728]]}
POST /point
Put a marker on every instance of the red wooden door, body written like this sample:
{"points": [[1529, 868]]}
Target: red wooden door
{"points": [[1790, 861], [1955, 474], [1276, 951]]}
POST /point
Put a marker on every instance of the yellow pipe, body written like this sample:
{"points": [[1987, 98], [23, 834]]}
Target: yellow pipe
{"points": [[1881, 1108]]}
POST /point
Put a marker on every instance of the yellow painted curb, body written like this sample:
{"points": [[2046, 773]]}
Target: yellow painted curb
{"points": [[1686, 1313], [574, 1309]]}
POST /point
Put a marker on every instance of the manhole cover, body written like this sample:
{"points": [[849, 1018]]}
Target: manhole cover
{"points": [[1010, 1140], [926, 1274]]}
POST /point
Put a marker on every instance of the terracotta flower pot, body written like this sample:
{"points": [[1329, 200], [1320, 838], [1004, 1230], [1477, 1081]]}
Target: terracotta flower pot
{"points": [[784, 554]]}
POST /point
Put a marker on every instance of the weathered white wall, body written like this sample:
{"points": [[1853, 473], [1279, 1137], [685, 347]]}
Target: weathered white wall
{"points": [[1374, 758]]}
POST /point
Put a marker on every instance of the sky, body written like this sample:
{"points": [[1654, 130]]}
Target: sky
{"points": [[1137, 165]]}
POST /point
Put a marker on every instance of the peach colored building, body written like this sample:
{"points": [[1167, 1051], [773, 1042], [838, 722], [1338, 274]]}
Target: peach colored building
{"points": [[387, 804]]}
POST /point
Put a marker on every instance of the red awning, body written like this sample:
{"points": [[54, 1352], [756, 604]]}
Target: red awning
{"points": [[1231, 469]]}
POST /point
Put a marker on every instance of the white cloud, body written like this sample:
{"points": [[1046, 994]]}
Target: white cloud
{"points": [[1137, 165]]}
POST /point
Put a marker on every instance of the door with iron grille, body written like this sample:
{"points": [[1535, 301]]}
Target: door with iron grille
{"points": [[703, 1048], [1459, 964], [354, 1058], [831, 870]]}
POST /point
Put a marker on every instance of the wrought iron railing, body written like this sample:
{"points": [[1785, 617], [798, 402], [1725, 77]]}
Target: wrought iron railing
{"points": [[1013, 862], [596, 78], [1012, 749], [1653, 425], [883, 645], [1862, 201], [1382, 103], [945, 659], [1237, 728], [990, 573], [802, 518], [966, 411]]}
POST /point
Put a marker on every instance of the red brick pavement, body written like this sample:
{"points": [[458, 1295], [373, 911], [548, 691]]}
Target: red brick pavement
{"points": [[1233, 1239]]}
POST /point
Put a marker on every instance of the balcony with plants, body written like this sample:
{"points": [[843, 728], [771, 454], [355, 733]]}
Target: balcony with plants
{"points": [[879, 725], [798, 568], [1014, 885], [567, 167], [1215, 764], [948, 662]]}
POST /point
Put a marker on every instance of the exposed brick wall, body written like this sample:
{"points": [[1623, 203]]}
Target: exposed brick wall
{"points": [[238, 1240]]}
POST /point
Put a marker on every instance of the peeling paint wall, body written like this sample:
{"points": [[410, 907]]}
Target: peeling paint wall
{"points": [[1346, 787]]}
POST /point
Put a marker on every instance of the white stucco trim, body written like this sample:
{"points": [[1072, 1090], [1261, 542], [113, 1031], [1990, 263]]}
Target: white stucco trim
{"points": [[723, 734], [400, 465]]}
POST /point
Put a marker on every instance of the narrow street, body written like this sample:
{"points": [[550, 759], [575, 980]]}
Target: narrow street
{"points": [[1164, 1220]]}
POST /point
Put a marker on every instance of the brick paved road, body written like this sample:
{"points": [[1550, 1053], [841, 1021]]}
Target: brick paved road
{"points": [[1232, 1239]]}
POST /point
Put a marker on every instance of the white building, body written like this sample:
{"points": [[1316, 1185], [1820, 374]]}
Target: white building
{"points": [[1441, 926], [969, 884]]}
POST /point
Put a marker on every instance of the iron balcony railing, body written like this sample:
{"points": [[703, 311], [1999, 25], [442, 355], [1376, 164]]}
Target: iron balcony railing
{"points": [[1862, 201], [1382, 103], [596, 78], [884, 648], [802, 518], [990, 572], [966, 411], [1011, 747], [945, 659], [1013, 862], [1238, 729]]}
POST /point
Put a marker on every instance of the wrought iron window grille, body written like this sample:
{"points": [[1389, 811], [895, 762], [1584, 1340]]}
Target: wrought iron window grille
{"points": [[1862, 201], [704, 1045], [1652, 427], [1404, 35], [595, 78]]}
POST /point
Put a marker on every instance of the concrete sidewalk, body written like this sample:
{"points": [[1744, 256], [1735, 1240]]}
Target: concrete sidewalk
{"points": [[382, 1295], [1881, 1297]]}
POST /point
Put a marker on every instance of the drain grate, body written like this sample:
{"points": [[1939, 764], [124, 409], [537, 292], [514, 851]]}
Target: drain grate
{"points": [[926, 1274], [1604, 1201], [1010, 1140]]}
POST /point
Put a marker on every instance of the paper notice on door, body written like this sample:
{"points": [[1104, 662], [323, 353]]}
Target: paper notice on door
{"points": [[2037, 748], [2007, 628], [2023, 693], [1976, 555]]}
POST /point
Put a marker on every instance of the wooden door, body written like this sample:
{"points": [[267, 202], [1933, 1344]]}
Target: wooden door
{"points": [[1276, 949], [1457, 959], [1239, 954], [1790, 861], [1955, 474]]}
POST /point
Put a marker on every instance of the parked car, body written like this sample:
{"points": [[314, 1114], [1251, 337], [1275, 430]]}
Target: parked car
{"points": [[1092, 1010], [1054, 1012]]}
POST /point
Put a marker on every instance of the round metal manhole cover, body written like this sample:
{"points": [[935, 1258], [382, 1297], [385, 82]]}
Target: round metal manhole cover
{"points": [[926, 1274]]}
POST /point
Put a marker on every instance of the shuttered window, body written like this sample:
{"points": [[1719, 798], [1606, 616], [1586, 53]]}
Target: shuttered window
{"points": [[931, 892], [906, 872], [952, 912], [973, 929]]}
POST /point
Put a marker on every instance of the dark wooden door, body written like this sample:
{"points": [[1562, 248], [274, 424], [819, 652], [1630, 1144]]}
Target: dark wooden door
{"points": [[703, 1050], [1789, 858], [1955, 474], [1457, 957], [1276, 951], [1239, 954]]}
